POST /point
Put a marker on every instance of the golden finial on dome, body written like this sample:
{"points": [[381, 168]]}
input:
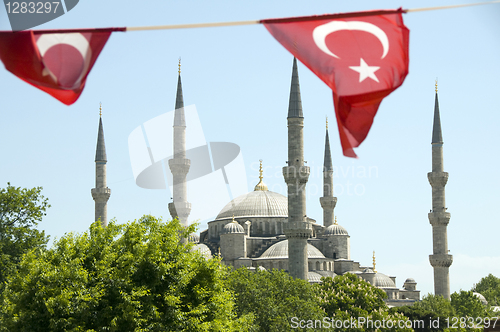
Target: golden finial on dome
{"points": [[179, 65], [335, 222], [436, 85], [233, 218], [374, 269], [261, 185], [100, 109]]}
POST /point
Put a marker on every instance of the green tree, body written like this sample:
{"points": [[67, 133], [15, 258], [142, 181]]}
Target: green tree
{"points": [[431, 308], [273, 298], [21, 210], [459, 314], [348, 298], [132, 277], [467, 308], [489, 287]]}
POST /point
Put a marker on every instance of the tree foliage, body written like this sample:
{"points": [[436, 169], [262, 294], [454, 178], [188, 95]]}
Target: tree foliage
{"points": [[464, 312], [431, 308], [489, 287], [348, 297], [466, 304], [132, 277], [273, 298], [21, 210]]}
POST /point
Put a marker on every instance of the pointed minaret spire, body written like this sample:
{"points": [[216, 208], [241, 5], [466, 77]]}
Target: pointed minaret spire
{"points": [[328, 201], [101, 192], [437, 136], [328, 156], [179, 119], [100, 153], [295, 103], [296, 174], [179, 165], [438, 217]]}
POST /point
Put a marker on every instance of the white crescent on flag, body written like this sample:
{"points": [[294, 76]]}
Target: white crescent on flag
{"points": [[321, 32], [76, 40]]}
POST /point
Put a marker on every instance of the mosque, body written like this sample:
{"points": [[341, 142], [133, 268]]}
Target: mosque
{"points": [[266, 230]]}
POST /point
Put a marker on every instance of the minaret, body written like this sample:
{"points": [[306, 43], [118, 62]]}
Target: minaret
{"points": [[297, 230], [101, 192], [328, 201], [438, 217], [179, 165]]}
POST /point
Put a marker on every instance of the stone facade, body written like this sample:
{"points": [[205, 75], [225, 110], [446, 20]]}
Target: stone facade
{"points": [[266, 230]]}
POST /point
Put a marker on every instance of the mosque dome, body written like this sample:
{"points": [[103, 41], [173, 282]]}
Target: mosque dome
{"points": [[203, 250], [382, 281], [325, 273], [335, 229], [410, 280], [256, 204], [481, 298], [233, 228], [280, 250], [313, 277], [259, 203]]}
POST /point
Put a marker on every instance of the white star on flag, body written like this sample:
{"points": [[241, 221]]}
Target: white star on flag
{"points": [[365, 71]]}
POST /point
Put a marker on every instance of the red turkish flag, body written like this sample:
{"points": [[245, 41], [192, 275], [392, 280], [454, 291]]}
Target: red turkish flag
{"points": [[57, 62], [361, 56]]}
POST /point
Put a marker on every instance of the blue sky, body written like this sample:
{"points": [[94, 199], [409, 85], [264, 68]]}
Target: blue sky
{"points": [[239, 79]]}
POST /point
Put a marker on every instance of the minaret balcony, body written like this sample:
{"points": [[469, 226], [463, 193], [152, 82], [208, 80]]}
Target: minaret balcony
{"points": [[296, 174], [439, 218], [180, 209], [301, 231], [441, 260], [437, 179], [100, 194], [179, 166], [328, 202]]}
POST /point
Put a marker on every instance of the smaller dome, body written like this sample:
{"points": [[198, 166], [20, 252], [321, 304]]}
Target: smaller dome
{"points": [[280, 250], [335, 229], [367, 270], [326, 273], [382, 281], [314, 277], [481, 298], [233, 228], [203, 250], [410, 280]]}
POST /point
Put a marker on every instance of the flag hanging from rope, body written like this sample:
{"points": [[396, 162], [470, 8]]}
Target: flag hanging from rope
{"points": [[54, 61], [361, 56]]}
